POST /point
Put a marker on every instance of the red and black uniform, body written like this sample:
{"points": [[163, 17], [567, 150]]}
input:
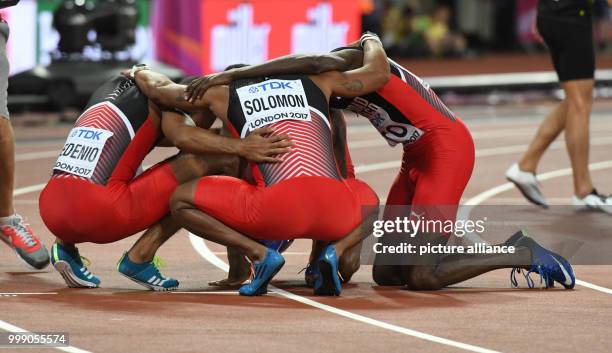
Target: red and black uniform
{"points": [[93, 195], [438, 149], [301, 197]]}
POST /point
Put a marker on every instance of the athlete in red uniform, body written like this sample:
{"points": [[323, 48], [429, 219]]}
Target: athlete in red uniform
{"points": [[301, 197], [98, 194], [436, 166]]}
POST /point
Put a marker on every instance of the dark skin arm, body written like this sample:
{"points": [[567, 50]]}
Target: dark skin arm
{"points": [[342, 60], [368, 71], [203, 119], [192, 139], [255, 147], [373, 75]]}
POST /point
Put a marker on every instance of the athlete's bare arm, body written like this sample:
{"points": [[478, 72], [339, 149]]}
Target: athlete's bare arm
{"points": [[373, 75], [192, 139], [342, 60], [164, 92], [189, 138], [203, 119]]}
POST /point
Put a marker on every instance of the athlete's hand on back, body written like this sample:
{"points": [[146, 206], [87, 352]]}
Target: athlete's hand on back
{"points": [[259, 148], [200, 85]]}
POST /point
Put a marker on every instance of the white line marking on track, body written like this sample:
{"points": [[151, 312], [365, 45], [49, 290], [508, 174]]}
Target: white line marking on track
{"points": [[487, 194], [28, 189], [200, 246], [286, 253], [482, 135], [484, 152], [36, 155], [221, 292], [42, 293], [12, 328], [594, 286]]}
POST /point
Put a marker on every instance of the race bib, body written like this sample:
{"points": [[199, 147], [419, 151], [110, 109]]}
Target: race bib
{"points": [[391, 130], [82, 151], [272, 101]]}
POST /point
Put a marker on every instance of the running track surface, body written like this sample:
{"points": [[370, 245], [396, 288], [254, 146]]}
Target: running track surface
{"points": [[483, 314]]}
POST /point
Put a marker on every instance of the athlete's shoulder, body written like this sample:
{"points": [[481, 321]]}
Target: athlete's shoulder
{"points": [[116, 88]]}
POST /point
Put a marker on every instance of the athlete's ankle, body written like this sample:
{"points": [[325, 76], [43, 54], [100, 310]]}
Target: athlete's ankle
{"points": [[68, 246], [258, 254], [582, 191], [139, 258], [527, 167]]}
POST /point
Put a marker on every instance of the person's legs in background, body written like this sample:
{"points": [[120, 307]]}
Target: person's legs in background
{"points": [[579, 97], [13, 231], [547, 132], [7, 167]]}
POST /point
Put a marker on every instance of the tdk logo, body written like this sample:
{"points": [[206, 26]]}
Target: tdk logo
{"points": [[272, 85], [87, 134]]}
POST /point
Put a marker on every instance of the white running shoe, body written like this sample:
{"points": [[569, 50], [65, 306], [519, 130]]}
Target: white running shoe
{"points": [[527, 184], [593, 201]]}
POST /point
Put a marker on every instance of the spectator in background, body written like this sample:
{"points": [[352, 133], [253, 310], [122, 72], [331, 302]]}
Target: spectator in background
{"points": [[436, 29], [399, 36], [409, 35], [13, 230]]}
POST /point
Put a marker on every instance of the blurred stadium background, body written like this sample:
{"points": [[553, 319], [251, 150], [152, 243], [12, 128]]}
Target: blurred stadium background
{"points": [[470, 51]]}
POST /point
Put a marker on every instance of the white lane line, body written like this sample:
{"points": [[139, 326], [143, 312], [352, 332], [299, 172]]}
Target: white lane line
{"points": [[483, 152], [200, 246], [36, 155], [28, 189], [483, 196], [41, 293], [286, 253], [221, 292], [487, 194], [12, 328], [478, 135], [594, 286]]}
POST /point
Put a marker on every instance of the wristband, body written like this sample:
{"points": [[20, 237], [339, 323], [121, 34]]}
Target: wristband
{"points": [[369, 36], [136, 68]]}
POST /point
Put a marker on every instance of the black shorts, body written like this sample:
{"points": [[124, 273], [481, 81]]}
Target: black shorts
{"points": [[571, 47]]}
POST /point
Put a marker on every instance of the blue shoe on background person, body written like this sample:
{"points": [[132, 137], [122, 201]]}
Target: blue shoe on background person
{"points": [[263, 272], [69, 263], [147, 274], [327, 281]]}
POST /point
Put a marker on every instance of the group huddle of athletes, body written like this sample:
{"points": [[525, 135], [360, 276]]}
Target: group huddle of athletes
{"points": [[279, 169]]}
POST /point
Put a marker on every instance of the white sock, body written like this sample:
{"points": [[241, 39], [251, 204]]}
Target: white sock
{"points": [[8, 220]]}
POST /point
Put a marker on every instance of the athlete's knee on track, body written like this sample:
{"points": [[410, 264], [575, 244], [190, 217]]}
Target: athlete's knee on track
{"points": [[387, 275], [422, 278]]}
